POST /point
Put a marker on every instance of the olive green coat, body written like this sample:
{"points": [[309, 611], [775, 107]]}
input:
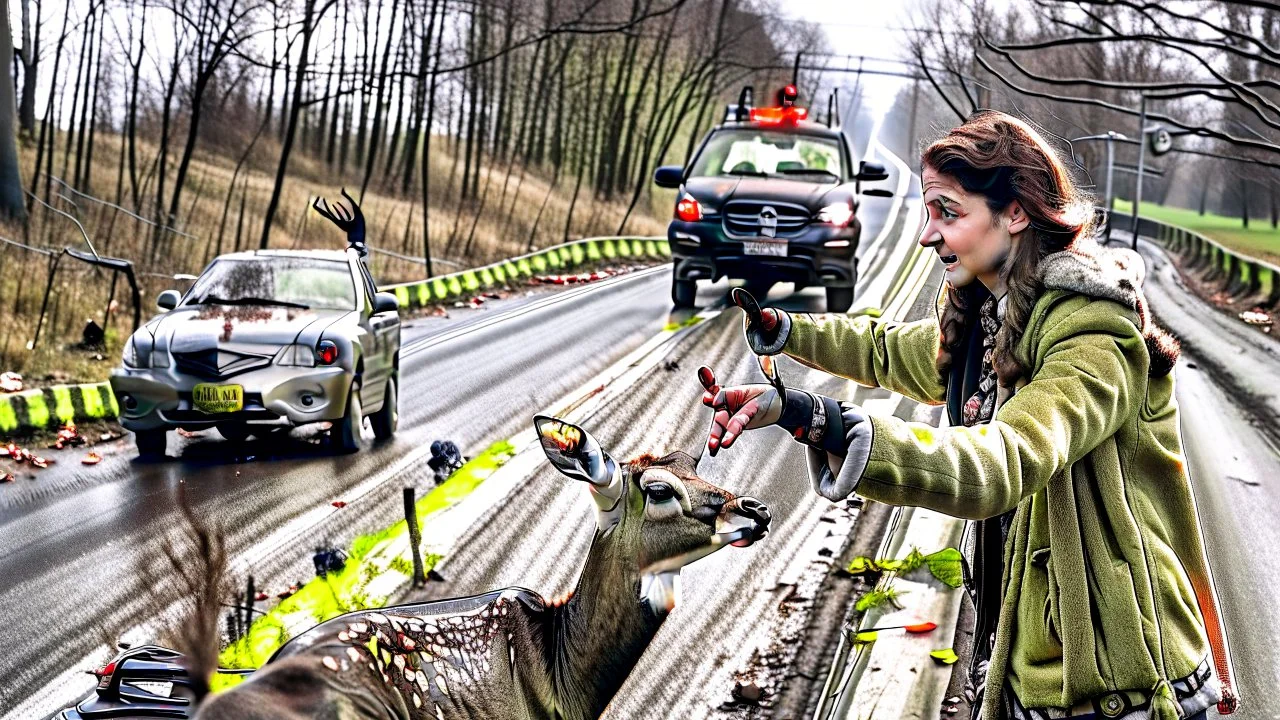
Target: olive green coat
{"points": [[1104, 563]]}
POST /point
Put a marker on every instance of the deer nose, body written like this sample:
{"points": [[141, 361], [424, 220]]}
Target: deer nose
{"points": [[710, 511]]}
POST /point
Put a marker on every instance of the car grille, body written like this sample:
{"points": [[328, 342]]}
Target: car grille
{"points": [[214, 364], [742, 218], [186, 412]]}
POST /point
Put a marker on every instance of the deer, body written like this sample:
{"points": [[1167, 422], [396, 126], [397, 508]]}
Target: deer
{"points": [[510, 653]]}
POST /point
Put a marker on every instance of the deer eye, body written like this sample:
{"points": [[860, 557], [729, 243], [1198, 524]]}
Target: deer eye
{"points": [[659, 492]]}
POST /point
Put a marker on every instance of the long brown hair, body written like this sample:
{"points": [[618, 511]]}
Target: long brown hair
{"points": [[1004, 159]]}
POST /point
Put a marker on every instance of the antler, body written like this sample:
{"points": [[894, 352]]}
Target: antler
{"points": [[349, 221]]}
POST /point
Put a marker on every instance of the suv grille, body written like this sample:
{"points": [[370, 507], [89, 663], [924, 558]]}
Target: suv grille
{"points": [[215, 364], [743, 218]]}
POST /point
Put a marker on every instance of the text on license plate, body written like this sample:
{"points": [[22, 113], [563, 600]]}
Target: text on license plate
{"points": [[217, 398], [777, 248]]}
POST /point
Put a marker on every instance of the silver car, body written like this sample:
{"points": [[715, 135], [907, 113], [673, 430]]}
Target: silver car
{"points": [[265, 340]]}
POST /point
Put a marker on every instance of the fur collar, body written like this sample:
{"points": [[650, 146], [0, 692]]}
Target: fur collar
{"points": [[1111, 274]]}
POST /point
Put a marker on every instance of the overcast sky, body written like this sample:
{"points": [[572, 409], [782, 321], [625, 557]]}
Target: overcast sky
{"points": [[869, 28]]}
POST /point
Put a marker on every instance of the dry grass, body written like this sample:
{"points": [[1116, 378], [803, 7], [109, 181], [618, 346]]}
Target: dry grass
{"points": [[504, 226]]}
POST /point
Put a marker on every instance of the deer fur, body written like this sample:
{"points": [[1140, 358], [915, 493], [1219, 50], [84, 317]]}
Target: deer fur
{"points": [[510, 653]]}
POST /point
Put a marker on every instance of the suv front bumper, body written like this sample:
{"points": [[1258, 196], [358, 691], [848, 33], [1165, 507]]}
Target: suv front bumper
{"points": [[822, 255], [161, 398]]}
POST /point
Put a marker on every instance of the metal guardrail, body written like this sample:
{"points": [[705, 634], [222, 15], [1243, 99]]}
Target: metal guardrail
{"points": [[421, 293], [1240, 275]]}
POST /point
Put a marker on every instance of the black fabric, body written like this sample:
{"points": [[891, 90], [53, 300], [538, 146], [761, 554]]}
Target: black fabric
{"points": [[797, 418]]}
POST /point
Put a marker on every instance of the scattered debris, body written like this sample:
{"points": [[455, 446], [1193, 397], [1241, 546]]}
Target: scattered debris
{"points": [[288, 593], [671, 366], [92, 458], [748, 693], [260, 596], [328, 560], [476, 302], [445, 459], [493, 295], [1242, 481], [6, 478], [945, 656], [439, 311], [21, 455], [1256, 317], [92, 336], [183, 432], [459, 304], [10, 382], [67, 437], [336, 503]]}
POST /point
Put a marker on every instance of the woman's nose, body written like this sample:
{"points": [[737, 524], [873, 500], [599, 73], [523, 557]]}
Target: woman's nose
{"points": [[930, 237]]}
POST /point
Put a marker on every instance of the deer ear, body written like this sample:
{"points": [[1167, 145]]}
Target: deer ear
{"points": [[574, 452]]}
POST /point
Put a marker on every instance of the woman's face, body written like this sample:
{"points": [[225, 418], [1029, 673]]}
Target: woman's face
{"points": [[969, 240]]}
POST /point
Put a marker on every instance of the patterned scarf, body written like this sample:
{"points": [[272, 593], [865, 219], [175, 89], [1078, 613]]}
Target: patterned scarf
{"points": [[981, 406]]}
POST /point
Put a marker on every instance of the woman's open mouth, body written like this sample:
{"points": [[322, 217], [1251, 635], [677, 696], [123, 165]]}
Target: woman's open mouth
{"points": [[949, 260]]}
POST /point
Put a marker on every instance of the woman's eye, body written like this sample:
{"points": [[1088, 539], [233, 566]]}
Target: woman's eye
{"points": [[947, 213], [660, 492]]}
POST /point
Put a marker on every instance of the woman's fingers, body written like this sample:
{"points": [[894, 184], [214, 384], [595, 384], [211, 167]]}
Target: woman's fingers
{"points": [[708, 379], [739, 422]]}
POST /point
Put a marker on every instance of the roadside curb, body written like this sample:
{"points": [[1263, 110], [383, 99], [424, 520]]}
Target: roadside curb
{"points": [[29, 411]]}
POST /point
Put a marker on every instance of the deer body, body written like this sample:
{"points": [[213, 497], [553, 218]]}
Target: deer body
{"points": [[510, 653]]}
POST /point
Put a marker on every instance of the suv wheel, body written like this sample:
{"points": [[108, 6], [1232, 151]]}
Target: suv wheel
{"points": [[385, 420], [839, 299], [684, 293], [151, 443], [344, 436]]}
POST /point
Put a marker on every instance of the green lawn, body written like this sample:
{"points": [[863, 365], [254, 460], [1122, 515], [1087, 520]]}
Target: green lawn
{"points": [[1260, 240]]}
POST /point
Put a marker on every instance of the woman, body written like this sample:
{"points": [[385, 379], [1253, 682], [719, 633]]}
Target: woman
{"points": [[1064, 438]]}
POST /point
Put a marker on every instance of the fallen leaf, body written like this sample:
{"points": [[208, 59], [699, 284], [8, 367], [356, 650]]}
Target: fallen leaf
{"points": [[260, 597], [923, 627], [945, 656], [92, 458], [339, 504], [945, 565], [6, 478], [40, 462], [865, 637], [10, 382]]}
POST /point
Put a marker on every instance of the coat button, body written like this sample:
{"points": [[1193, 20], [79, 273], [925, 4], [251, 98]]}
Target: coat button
{"points": [[1112, 705]]}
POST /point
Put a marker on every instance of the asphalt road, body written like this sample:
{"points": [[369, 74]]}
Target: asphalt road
{"points": [[1229, 401]]}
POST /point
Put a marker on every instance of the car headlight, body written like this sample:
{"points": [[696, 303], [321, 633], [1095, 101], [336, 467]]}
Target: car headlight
{"points": [[296, 356], [134, 359], [837, 213]]}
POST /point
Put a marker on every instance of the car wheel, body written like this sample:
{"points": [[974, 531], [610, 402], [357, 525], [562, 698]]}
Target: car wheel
{"points": [[235, 432], [684, 293], [385, 420], [839, 299], [151, 443], [345, 434]]}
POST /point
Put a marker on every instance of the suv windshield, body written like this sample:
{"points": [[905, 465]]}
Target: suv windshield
{"points": [[306, 282], [747, 151]]}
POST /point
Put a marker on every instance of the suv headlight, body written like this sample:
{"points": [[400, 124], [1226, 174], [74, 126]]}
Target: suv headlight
{"points": [[134, 359], [837, 213], [296, 356]]}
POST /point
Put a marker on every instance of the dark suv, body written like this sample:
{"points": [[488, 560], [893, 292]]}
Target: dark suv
{"points": [[769, 197]]}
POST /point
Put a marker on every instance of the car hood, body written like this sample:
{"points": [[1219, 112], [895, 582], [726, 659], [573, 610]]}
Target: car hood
{"points": [[714, 192], [189, 329]]}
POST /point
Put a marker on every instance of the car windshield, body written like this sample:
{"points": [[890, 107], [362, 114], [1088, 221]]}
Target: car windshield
{"points": [[765, 153], [285, 281]]}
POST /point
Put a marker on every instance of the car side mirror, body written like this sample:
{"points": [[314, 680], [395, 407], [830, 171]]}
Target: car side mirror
{"points": [[668, 176], [871, 172], [385, 302], [168, 300]]}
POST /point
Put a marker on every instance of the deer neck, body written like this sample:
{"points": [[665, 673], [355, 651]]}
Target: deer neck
{"points": [[603, 629]]}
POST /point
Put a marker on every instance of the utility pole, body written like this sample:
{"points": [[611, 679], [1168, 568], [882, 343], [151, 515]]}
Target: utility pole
{"points": [[911, 126], [1142, 157], [1111, 158]]}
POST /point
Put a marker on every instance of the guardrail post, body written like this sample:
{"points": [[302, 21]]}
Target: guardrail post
{"points": [[415, 537], [1250, 272]]}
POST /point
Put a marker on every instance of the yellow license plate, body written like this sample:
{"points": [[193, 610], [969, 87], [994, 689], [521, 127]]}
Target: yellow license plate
{"points": [[217, 398]]}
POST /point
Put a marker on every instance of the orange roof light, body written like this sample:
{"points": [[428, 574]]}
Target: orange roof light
{"points": [[779, 115]]}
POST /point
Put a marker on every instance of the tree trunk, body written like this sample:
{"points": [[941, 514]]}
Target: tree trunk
{"points": [[375, 135], [308, 28], [49, 120], [30, 56], [12, 202], [93, 113]]}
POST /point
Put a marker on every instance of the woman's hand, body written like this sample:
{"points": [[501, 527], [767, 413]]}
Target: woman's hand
{"points": [[766, 329], [737, 408]]}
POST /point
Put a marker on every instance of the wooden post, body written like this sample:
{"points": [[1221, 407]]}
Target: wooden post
{"points": [[415, 537], [249, 595]]}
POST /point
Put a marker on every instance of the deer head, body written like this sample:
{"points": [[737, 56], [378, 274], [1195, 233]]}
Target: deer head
{"points": [[654, 510]]}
